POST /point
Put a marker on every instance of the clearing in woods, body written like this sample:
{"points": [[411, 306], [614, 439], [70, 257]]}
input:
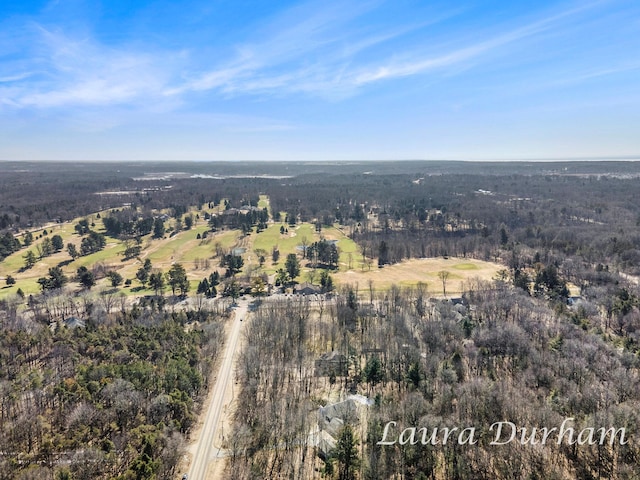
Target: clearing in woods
{"points": [[425, 270]]}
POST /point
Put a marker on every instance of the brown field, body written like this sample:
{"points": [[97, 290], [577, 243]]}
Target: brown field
{"points": [[425, 270]]}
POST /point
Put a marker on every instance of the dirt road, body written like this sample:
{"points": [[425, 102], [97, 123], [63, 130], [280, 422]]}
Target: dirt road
{"points": [[207, 445]]}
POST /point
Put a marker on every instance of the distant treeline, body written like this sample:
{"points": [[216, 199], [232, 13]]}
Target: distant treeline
{"points": [[582, 210]]}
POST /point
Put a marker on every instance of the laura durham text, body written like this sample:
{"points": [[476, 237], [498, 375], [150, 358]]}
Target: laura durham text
{"points": [[504, 432]]}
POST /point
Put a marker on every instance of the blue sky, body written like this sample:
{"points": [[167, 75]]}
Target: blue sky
{"points": [[319, 80]]}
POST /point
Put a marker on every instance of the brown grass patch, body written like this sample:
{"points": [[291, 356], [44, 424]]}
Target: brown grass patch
{"points": [[425, 270]]}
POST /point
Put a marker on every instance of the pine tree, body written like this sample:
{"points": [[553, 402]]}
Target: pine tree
{"points": [[346, 453]]}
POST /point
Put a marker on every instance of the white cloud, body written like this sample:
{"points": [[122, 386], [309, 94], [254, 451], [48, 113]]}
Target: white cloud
{"points": [[307, 48], [76, 72], [315, 55], [419, 65], [15, 78], [316, 48]]}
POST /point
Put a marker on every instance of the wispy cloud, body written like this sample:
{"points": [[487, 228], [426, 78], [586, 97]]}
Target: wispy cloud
{"points": [[323, 49], [310, 48], [585, 75], [16, 77], [315, 56], [82, 72], [72, 71], [460, 55]]}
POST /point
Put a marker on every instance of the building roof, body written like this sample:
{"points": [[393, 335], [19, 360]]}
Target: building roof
{"points": [[332, 356], [74, 322], [307, 288]]}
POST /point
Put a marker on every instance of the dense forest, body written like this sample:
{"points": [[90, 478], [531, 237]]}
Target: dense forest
{"points": [[113, 398]]}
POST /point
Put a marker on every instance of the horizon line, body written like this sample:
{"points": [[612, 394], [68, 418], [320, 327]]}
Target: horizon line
{"points": [[613, 158]]}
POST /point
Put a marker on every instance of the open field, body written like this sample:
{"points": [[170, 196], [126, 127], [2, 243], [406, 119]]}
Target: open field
{"points": [[264, 202], [348, 249], [425, 270], [406, 273], [183, 247], [27, 279], [291, 242], [192, 252], [286, 243], [198, 257]]}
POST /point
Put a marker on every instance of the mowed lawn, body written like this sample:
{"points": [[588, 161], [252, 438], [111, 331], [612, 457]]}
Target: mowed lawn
{"points": [[286, 243], [350, 254], [264, 203], [183, 248], [425, 270], [292, 240], [27, 280], [193, 253]]}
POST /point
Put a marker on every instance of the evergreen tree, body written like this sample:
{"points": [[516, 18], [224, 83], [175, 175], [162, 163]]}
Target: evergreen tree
{"points": [[115, 277], [292, 266], [204, 287], [28, 239], [326, 282], [158, 228], [177, 277], [346, 453], [73, 251], [30, 260], [85, 277], [56, 279], [373, 372], [156, 281], [383, 253], [57, 243], [214, 279], [142, 275]]}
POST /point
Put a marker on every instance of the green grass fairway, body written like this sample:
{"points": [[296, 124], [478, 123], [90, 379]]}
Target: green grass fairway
{"points": [[287, 243], [173, 249], [465, 266], [185, 248], [264, 202]]}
